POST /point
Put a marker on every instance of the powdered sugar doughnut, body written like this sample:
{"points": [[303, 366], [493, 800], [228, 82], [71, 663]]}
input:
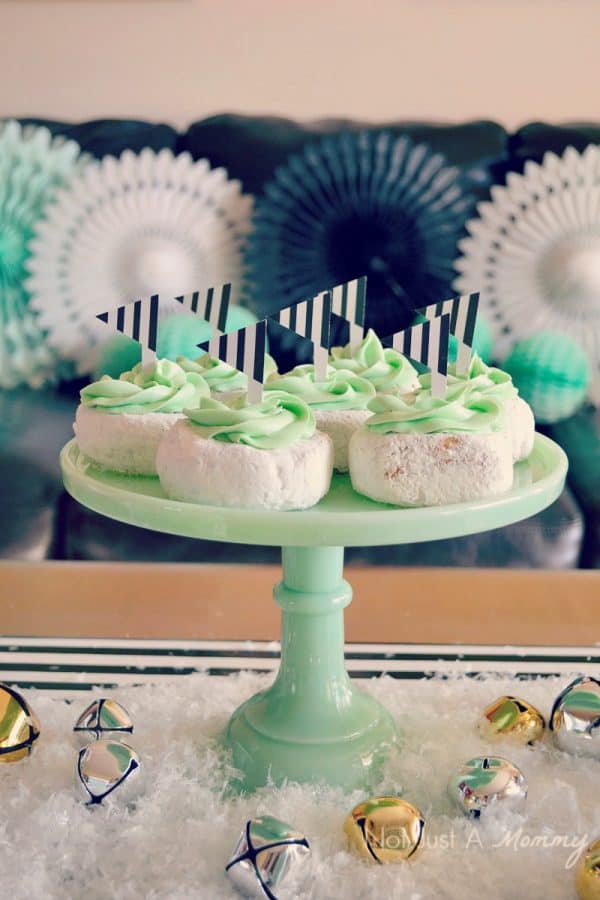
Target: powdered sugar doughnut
{"points": [[125, 443], [497, 384], [120, 422], [260, 456], [339, 403], [429, 469], [428, 452]]}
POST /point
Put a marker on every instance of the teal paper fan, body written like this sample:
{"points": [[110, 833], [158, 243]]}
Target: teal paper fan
{"points": [[32, 165]]}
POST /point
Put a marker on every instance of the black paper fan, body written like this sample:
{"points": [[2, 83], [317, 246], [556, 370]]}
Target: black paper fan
{"points": [[359, 203]]}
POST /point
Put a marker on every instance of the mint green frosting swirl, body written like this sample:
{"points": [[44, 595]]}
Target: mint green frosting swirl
{"points": [[480, 379], [219, 375], [162, 386], [425, 414], [279, 421], [341, 389], [384, 367]]}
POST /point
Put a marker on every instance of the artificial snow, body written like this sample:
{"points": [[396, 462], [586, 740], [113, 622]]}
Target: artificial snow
{"points": [[175, 841]]}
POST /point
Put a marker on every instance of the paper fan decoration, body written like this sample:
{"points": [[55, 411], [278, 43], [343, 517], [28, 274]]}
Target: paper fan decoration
{"points": [[534, 254], [361, 203], [33, 165], [127, 228]]}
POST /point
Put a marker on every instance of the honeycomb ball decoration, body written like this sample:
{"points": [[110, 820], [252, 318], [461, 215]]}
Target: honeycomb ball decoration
{"points": [[587, 877], [19, 727], [575, 718], [552, 374], [386, 830], [512, 718], [488, 783]]}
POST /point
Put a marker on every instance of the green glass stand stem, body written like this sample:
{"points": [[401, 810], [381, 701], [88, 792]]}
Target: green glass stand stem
{"points": [[311, 724], [312, 683]]}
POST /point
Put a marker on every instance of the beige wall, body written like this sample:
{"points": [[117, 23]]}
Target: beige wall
{"points": [[178, 60]]}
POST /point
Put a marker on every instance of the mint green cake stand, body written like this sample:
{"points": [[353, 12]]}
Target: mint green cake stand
{"points": [[312, 724]]}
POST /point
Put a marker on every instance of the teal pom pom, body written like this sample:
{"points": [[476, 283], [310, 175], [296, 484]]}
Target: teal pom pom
{"points": [[118, 354], [239, 317], [452, 349], [552, 374], [178, 335], [482, 341]]}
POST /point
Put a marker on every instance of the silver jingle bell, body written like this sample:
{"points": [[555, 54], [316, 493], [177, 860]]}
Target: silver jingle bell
{"points": [[106, 766], [575, 717], [103, 718], [486, 782], [264, 856]]}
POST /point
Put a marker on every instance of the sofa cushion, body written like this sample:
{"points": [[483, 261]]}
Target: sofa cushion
{"points": [[102, 137], [35, 425], [30, 501], [251, 147], [536, 138], [579, 437]]}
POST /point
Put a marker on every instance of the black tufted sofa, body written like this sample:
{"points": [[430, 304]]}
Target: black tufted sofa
{"points": [[40, 521]]}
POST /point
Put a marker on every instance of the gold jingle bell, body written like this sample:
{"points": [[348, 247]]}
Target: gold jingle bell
{"points": [[386, 829], [19, 727], [513, 718], [587, 878]]}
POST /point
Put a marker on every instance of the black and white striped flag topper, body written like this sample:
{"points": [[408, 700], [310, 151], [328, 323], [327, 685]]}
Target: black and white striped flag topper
{"points": [[426, 343], [211, 306], [310, 319], [137, 320], [243, 349], [348, 301], [463, 315]]}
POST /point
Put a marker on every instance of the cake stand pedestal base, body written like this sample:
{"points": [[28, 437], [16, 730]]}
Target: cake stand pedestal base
{"points": [[311, 725]]}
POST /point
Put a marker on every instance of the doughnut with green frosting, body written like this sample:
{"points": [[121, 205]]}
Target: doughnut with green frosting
{"points": [[278, 421], [341, 389], [425, 414], [161, 386], [219, 375], [386, 369]]}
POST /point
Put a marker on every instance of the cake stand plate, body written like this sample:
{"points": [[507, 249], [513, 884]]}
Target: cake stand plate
{"points": [[312, 724]]}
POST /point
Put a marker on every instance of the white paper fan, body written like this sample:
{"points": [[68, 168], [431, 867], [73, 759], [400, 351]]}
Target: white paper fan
{"points": [[127, 228], [534, 254]]}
